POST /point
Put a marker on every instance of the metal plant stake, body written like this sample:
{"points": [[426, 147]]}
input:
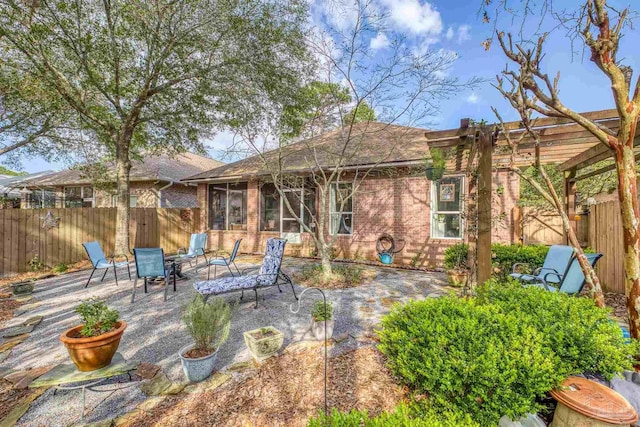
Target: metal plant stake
{"points": [[296, 311]]}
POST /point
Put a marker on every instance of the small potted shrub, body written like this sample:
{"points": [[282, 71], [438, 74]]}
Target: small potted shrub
{"points": [[322, 311], [455, 261], [23, 287], [92, 344], [263, 342], [208, 324]]}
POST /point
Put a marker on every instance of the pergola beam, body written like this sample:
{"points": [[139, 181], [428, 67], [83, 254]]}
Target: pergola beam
{"points": [[592, 155]]}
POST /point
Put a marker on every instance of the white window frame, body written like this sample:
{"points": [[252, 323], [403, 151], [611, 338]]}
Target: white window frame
{"points": [[114, 200], [229, 191], [82, 188], [434, 208], [333, 207]]}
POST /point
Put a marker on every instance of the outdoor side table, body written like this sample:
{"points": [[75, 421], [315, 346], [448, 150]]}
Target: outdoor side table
{"points": [[68, 377], [177, 262]]}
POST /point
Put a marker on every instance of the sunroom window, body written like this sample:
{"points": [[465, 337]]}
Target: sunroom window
{"points": [[228, 206], [78, 197], [274, 213], [446, 208], [341, 208]]}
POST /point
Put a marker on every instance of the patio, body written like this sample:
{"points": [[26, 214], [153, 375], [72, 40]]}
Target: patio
{"points": [[155, 332]]}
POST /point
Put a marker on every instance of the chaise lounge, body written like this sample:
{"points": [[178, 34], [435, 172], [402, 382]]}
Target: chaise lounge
{"points": [[270, 274]]}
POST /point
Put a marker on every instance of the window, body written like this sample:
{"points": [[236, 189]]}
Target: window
{"points": [[275, 215], [133, 201], [228, 206], [42, 198], [78, 197], [341, 208], [446, 208]]}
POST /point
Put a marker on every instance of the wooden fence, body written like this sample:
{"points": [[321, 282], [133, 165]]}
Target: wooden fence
{"points": [[545, 227], [605, 236], [23, 236]]}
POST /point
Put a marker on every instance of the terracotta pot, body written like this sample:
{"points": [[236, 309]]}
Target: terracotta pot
{"points": [[92, 353], [457, 277]]}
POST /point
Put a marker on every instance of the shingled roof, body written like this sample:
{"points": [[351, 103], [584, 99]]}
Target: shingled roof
{"points": [[152, 168], [369, 144]]}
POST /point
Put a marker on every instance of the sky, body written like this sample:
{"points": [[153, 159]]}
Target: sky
{"points": [[455, 25]]}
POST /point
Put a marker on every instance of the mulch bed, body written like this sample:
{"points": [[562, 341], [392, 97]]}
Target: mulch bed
{"points": [[618, 302], [366, 276], [6, 309], [285, 391]]}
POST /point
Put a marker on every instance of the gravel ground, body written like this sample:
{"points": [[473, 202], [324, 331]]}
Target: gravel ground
{"points": [[155, 333]]}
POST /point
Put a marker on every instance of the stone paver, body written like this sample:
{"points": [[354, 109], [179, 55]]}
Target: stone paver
{"points": [[15, 331], [155, 333]]}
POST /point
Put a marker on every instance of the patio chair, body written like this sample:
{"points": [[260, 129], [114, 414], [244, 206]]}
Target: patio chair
{"points": [[150, 264], [197, 247], [270, 274], [557, 260], [224, 262], [572, 281], [100, 261]]}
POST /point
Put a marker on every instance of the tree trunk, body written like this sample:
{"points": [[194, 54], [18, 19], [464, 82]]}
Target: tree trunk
{"points": [[628, 196], [324, 248], [123, 212], [325, 262]]}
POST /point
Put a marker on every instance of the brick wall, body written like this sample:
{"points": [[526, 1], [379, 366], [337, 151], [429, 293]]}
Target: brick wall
{"points": [[399, 206]]}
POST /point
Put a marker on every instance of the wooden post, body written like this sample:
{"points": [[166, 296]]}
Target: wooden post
{"points": [[569, 199], [516, 224], [483, 251]]}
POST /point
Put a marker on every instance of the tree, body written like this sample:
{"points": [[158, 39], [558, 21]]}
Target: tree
{"points": [[144, 76], [601, 37], [403, 86]]}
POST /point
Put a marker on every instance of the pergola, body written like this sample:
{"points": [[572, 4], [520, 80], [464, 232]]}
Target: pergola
{"points": [[477, 149]]}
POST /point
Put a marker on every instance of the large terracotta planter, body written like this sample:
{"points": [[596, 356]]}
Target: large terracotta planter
{"points": [[92, 353]]}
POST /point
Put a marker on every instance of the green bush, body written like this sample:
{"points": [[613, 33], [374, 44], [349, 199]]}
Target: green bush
{"points": [[319, 310], [97, 318], [401, 417], [469, 357], [342, 276], [503, 257], [207, 322], [579, 333], [60, 268]]}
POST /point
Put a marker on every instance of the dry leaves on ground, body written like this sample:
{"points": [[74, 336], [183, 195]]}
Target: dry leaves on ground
{"points": [[285, 391], [6, 309]]}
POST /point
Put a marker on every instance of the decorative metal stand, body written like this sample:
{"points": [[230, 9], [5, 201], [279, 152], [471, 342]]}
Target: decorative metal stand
{"points": [[297, 310]]}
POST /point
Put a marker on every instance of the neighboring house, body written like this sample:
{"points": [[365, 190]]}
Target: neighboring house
{"points": [[11, 186], [239, 202], [155, 182]]}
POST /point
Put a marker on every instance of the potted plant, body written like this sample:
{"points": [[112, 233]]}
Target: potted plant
{"points": [[208, 324], [434, 166], [92, 344], [23, 287], [455, 260], [322, 311], [263, 342]]}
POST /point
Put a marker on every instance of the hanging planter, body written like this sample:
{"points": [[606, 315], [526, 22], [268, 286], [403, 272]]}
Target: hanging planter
{"points": [[434, 166]]}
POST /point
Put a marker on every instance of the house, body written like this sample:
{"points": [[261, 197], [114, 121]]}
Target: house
{"points": [[238, 200], [10, 188], [155, 182]]}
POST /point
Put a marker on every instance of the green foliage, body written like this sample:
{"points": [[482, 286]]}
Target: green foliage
{"points": [[318, 311], [402, 416], [360, 113], [60, 268], [529, 196], [36, 264], [579, 333], [502, 257], [415, 259], [469, 357], [345, 275], [97, 318], [7, 171], [207, 322]]}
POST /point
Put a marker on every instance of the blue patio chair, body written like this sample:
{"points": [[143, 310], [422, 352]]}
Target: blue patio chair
{"points": [[557, 261], [270, 274], [224, 262], [197, 247], [99, 261], [572, 281], [150, 264]]}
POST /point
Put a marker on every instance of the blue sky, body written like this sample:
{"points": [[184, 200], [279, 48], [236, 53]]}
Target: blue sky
{"points": [[455, 25]]}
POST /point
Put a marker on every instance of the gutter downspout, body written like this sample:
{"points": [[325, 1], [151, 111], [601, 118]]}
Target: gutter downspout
{"points": [[160, 192]]}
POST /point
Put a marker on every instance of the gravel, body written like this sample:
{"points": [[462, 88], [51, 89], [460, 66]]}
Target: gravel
{"points": [[155, 332]]}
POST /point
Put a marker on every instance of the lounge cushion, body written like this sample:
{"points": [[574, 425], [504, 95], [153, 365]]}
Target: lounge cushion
{"points": [[225, 284]]}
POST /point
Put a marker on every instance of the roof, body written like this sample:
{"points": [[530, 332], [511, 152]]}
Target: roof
{"points": [[151, 168], [10, 184], [368, 144]]}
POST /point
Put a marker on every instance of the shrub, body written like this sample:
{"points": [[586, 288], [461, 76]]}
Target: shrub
{"points": [[60, 268], [207, 322], [342, 276], [401, 416], [575, 329], [318, 311], [36, 264], [469, 357], [97, 318], [503, 257]]}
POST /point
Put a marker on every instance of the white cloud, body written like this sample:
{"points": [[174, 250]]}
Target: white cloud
{"points": [[413, 17], [464, 33], [450, 33], [380, 41], [473, 98]]}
